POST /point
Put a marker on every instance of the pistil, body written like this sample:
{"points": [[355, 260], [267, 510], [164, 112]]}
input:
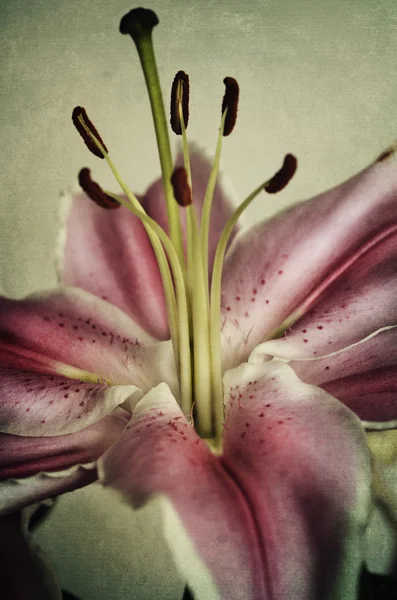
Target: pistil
{"points": [[139, 24]]}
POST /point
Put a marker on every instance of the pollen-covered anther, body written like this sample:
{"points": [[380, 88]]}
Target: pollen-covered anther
{"points": [[387, 153], [179, 102], [283, 176], [82, 123], [95, 192], [230, 102], [180, 184], [138, 22]]}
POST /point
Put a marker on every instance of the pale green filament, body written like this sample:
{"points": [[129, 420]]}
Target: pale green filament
{"points": [[148, 61], [200, 309], [185, 379], [209, 194], [176, 307], [215, 311]]}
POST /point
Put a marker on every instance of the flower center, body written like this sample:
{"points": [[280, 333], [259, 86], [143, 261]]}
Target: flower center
{"points": [[193, 301]]}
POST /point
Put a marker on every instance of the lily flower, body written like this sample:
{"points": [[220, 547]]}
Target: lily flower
{"points": [[152, 368]]}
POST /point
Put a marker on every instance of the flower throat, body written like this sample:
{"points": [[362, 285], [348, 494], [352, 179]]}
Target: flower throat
{"points": [[193, 301]]}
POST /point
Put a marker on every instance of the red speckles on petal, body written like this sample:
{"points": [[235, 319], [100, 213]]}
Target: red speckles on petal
{"points": [[47, 319], [320, 327], [305, 341], [61, 324], [304, 330], [238, 298], [229, 308], [280, 272], [254, 291], [262, 414]]}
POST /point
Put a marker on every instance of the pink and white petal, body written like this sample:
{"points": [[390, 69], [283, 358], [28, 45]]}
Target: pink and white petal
{"points": [[302, 460], [37, 404], [74, 328], [109, 254], [271, 270], [359, 302], [16, 494], [225, 200], [226, 504], [26, 456], [363, 376]]}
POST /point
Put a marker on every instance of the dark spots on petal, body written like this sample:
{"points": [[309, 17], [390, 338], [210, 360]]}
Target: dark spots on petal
{"points": [[304, 330], [60, 314], [267, 301], [238, 298], [61, 324], [243, 434], [43, 421], [66, 396], [228, 308], [280, 272], [262, 414], [47, 319], [320, 327], [80, 339], [263, 281], [75, 327], [280, 422], [252, 299], [51, 402], [326, 368], [268, 405], [262, 441], [254, 291], [246, 314], [247, 425], [27, 410]]}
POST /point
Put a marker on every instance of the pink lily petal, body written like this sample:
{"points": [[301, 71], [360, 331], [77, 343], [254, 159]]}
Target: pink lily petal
{"points": [[47, 405], [26, 456], [265, 517], [364, 377], [224, 201], [109, 254], [16, 494], [54, 331], [357, 303], [278, 265]]}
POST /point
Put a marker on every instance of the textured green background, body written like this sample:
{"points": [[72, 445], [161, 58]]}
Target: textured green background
{"points": [[317, 78]]}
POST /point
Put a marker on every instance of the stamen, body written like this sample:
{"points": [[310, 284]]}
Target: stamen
{"points": [[230, 103], [283, 176], [82, 123], [95, 192], [138, 22], [182, 190], [179, 101]]}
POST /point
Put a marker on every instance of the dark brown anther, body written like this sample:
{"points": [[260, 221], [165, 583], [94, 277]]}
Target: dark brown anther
{"points": [[138, 22], [78, 114], [182, 191], [179, 99], [283, 176], [389, 152], [230, 102], [95, 192]]}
